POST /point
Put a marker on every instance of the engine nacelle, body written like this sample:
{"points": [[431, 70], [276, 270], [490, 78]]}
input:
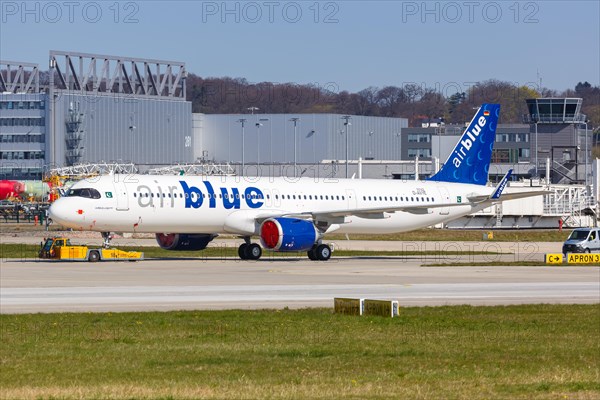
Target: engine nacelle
{"points": [[184, 241], [288, 234]]}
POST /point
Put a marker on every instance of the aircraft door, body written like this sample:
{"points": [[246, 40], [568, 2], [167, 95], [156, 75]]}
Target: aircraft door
{"points": [[276, 200], [445, 199], [351, 195], [121, 193]]}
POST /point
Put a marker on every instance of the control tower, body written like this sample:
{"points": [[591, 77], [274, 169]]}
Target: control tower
{"points": [[559, 134]]}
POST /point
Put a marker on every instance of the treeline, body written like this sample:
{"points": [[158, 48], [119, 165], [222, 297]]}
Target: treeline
{"points": [[412, 101]]}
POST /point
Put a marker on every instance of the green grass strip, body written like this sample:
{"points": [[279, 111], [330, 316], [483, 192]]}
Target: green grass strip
{"points": [[463, 352]]}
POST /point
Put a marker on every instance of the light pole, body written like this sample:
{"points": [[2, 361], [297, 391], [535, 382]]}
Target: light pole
{"points": [[312, 133], [258, 125], [346, 119], [295, 121], [243, 122], [586, 153], [536, 153], [252, 109], [131, 129]]}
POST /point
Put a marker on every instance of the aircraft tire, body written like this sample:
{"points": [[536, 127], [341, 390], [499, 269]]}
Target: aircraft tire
{"points": [[323, 252], [312, 254], [242, 251], [253, 251]]}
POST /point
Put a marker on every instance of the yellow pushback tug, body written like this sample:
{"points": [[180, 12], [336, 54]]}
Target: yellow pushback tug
{"points": [[60, 248]]}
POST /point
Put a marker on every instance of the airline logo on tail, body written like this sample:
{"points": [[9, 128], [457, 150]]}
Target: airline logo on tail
{"points": [[470, 160], [467, 143]]}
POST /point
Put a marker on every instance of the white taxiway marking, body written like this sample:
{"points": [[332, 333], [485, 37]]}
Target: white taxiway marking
{"points": [[66, 298]]}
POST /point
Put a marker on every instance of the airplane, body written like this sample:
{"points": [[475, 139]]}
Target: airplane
{"points": [[287, 214], [10, 189], [35, 190]]}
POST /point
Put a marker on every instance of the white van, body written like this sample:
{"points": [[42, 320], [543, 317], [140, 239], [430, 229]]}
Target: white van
{"points": [[582, 240]]}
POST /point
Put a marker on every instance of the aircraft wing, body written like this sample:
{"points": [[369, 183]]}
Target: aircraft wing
{"points": [[371, 212]]}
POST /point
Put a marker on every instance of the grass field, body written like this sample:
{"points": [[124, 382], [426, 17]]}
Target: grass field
{"points": [[515, 352], [28, 251]]}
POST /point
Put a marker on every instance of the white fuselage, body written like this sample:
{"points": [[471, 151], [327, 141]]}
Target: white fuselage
{"points": [[194, 204]]}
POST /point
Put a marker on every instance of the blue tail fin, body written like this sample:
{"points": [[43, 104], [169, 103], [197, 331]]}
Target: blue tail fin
{"points": [[469, 162]]}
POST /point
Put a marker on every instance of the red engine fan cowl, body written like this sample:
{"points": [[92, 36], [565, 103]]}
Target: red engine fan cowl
{"points": [[271, 235], [288, 234]]}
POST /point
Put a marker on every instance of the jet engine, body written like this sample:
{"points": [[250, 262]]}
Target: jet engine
{"points": [[184, 241], [288, 234]]}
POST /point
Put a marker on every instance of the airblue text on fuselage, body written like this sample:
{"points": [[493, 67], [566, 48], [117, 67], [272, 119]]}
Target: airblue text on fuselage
{"points": [[230, 198]]}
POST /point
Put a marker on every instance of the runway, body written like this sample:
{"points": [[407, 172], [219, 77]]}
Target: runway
{"points": [[36, 286]]}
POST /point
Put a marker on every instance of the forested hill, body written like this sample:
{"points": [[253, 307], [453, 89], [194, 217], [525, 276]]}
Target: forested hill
{"points": [[229, 95]]}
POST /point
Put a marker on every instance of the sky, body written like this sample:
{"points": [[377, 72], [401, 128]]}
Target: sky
{"points": [[338, 45]]}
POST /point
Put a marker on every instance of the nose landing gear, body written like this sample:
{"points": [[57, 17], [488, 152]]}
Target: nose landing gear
{"points": [[107, 237]]}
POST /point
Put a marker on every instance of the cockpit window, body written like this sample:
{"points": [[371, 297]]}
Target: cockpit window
{"points": [[88, 193]]}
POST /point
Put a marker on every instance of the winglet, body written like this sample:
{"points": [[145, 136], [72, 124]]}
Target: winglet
{"points": [[500, 188]]}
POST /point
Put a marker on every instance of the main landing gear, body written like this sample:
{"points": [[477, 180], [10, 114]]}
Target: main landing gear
{"points": [[319, 252], [249, 250], [253, 251]]}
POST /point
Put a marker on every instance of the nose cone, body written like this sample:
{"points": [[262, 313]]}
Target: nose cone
{"points": [[62, 213]]}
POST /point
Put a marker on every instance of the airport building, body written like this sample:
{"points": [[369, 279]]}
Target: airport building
{"points": [[278, 141], [23, 132], [92, 108]]}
